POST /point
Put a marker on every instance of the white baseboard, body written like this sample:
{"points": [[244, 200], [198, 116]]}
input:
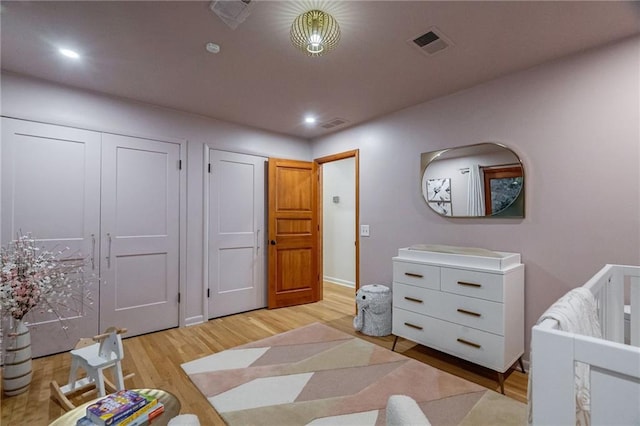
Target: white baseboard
{"points": [[199, 319], [339, 281]]}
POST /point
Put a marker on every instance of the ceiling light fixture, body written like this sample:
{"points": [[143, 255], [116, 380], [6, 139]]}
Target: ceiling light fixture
{"points": [[309, 119], [69, 53], [315, 32], [212, 47]]}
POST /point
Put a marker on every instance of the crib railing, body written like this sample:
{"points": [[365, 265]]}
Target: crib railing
{"points": [[608, 287], [614, 367]]}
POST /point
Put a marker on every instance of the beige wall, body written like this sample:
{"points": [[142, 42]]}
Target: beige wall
{"points": [[574, 123]]}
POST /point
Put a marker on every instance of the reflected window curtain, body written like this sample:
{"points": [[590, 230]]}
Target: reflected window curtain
{"points": [[475, 202]]}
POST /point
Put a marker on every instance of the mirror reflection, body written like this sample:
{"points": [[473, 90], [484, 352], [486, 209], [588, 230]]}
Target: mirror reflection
{"points": [[482, 180]]}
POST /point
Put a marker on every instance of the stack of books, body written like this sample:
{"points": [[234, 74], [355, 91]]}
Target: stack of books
{"points": [[123, 408]]}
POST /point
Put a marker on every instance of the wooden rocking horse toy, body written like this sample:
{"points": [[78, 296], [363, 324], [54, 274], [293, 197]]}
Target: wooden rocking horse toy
{"points": [[94, 356]]}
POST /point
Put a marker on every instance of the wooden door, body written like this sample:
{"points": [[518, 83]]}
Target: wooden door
{"points": [[51, 189], [294, 276], [140, 234], [236, 254]]}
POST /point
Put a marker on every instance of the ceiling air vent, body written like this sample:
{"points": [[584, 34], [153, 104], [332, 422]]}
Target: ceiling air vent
{"points": [[431, 42], [232, 12], [333, 123]]}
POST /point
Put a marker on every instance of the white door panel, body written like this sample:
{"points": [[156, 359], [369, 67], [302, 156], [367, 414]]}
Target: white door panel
{"points": [[141, 190], [140, 234], [133, 289], [236, 267], [51, 189]]}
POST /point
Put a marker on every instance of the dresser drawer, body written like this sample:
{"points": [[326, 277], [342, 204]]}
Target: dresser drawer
{"points": [[472, 283], [415, 299], [418, 328], [477, 313], [480, 314], [417, 274], [480, 347]]}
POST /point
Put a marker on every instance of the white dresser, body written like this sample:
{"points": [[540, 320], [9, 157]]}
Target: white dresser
{"points": [[466, 302]]}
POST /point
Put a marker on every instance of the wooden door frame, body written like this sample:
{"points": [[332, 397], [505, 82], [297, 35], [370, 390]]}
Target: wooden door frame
{"points": [[497, 172], [355, 154]]}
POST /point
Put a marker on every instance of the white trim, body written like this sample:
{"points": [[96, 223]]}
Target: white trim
{"points": [[182, 254], [198, 319], [339, 281], [205, 231]]}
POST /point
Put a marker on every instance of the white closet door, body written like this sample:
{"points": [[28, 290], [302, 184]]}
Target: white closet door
{"points": [[140, 234], [51, 189], [236, 233]]}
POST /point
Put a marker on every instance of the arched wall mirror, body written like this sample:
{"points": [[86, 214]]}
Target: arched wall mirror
{"points": [[481, 180]]}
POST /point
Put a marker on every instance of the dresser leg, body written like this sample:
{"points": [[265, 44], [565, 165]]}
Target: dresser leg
{"points": [[501, 381], [521, 365], [393, 348]]}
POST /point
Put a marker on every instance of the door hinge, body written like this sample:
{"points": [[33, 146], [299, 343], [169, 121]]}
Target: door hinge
{"points": [[179, 164], [209, 169], [208, 292], [178, 297]]}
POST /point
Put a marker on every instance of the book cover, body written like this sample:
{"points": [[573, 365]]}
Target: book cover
{"points": [[143, 413], [115, 407], [148, 416]]}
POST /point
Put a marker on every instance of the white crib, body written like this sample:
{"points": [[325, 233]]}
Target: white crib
{"points": [[614, 366]]}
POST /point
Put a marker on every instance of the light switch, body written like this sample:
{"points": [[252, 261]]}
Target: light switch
{"points": [[364, 230]]}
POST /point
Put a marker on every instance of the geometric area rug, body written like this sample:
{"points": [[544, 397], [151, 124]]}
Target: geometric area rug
{"points": [[317, 375]]}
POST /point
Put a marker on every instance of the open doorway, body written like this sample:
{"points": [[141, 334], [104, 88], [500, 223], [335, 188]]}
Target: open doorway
{"points": [[339, 205]]}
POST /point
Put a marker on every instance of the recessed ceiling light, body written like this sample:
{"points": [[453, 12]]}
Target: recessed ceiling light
{"points": [[212, 47], [309, 119], [69, 53]]}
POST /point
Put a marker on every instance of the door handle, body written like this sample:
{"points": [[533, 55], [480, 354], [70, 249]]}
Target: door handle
{"points": [[273, 242], [109, 250], [93, 252]]}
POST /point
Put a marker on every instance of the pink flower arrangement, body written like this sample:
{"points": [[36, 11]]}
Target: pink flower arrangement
{"points": [[33, 278]]}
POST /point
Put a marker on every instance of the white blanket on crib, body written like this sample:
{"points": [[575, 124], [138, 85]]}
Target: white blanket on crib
{"points": [[576, 312]]}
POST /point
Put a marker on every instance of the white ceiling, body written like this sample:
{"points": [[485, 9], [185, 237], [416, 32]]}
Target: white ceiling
{"points": [[153, 51]]}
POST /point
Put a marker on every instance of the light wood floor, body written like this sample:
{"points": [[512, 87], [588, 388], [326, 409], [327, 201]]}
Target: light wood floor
{"points": [[155, 358]]}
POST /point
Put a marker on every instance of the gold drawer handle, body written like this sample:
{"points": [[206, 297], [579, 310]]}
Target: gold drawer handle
{"points": [[473, 314], [411, 274], [469, 284], [417, 327], [411, 299], [468, 343]]}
